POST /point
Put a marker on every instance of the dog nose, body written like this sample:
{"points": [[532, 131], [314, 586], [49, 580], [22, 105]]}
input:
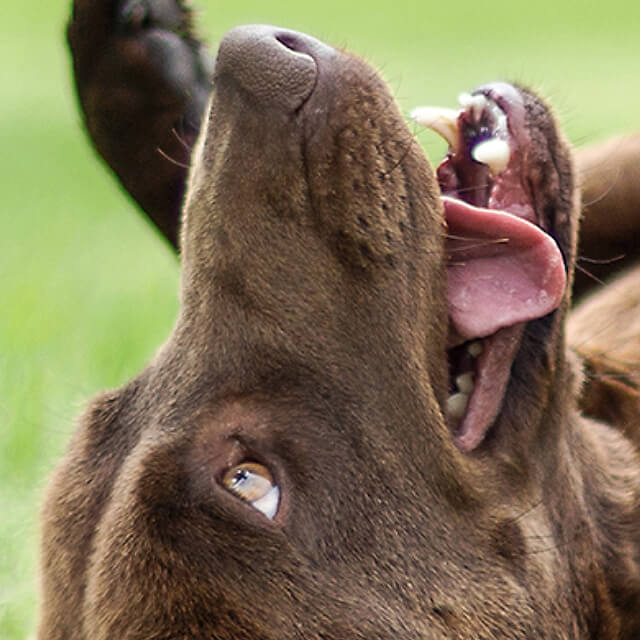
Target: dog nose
{"points": [[276, 67]]}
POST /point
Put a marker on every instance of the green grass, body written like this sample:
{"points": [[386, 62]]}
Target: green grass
{"points": [[87, 290]]}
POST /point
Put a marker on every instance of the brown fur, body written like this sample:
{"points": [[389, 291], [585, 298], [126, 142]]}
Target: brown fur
{"points": [[604, 330], [312, 338], [609, 174]]}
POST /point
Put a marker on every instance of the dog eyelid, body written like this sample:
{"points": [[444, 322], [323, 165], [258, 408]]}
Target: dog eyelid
{"points": [[254, 483]]}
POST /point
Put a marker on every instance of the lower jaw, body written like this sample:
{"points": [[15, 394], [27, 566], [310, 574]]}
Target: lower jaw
{"points": [[492, 372]]}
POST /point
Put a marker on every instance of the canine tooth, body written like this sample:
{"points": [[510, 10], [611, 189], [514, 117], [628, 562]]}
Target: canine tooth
{"points": [[457, 405], [464, 382], [478, 103], [501, 127], [441, 120], [475, 348], [493, 152]]}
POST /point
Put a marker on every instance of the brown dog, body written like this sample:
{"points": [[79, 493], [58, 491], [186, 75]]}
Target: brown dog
{"points": [[290, 464]]}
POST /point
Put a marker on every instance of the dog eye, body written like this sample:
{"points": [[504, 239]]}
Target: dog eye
{"points": [[253, 483]]}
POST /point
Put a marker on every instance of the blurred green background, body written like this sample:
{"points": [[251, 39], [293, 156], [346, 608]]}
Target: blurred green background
{"points": [[87, 289]]}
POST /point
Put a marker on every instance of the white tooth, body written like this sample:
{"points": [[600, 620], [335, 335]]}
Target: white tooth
{"points": [[465, 382], [500, 125], [493, 152], [477, 103], [475, 348], [441, 120], [457, 405]]}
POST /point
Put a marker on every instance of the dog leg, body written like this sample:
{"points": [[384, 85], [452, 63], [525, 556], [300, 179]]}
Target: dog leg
{"points": [[604, 331], [143, 81]]}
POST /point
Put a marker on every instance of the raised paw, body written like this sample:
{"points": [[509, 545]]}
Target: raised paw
{"points": [[143, 81], [164, 14]]}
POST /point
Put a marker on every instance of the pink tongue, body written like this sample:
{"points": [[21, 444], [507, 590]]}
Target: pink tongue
{"points": [[502, 270]]}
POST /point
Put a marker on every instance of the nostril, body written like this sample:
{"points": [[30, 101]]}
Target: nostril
{"points": [[291, 41], [273, 65]]}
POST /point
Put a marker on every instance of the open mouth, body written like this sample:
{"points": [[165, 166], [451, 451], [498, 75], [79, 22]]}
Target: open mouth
{"points": [[503, 268]]}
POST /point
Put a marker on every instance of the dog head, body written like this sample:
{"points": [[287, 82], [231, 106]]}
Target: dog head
{"points": [[291, 464]]}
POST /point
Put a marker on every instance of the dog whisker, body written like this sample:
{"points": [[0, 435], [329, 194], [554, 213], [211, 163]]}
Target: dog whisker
{"points": [[526, 512], [181, 140], [590, 275], [476, 244], [605, 193], [172, 160], [617, 258]]}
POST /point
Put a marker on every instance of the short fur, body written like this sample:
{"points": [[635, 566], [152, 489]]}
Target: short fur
{"points": [[312, 338]]}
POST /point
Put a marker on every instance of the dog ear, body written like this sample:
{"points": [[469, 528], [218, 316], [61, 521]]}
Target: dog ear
{"points": [[609, 174], [143, 81]]}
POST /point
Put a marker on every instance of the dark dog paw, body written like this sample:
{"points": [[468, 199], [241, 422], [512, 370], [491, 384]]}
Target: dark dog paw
{"points": [[164, 29], [143, 81], [139, 14]]}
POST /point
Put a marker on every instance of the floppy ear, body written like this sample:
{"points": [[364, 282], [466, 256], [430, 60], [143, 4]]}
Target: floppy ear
{"points": [[608, 239], [143, 81]]}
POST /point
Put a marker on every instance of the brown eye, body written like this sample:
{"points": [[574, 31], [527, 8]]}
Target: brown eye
{"points": [[253, 483]]}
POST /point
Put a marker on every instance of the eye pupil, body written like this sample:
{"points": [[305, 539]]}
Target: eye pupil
{"points": [[239, 477], [253, 483]]}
